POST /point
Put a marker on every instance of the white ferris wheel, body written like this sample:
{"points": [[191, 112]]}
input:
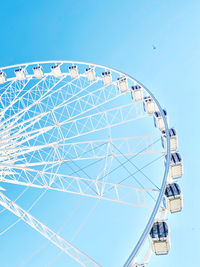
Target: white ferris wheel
{"points": [[89, 132]]}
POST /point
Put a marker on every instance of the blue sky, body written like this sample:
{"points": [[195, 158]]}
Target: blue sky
{"points": [[121, 35]]}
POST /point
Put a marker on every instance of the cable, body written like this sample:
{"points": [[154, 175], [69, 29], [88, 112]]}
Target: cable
{"points": [[142, 168], [34, 203], [137, 168], [118, 166], [77, 232], [10, 226], [60, 229], [129, 159]]}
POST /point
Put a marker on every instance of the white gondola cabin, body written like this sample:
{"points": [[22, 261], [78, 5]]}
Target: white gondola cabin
{"points": [[56, 72], [149, 105], [159, 235], [173, 199], [107, 77], [20, 74], [176, 166], [90, 73], [38, 72], [158, 120], [173, 139], [3, 77], [137, 93], [138, 265], [73, 71], [122, 84]]}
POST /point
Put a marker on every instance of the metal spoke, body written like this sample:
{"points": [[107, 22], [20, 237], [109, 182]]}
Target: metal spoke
{"points": [[125, 194], [57, 240]]}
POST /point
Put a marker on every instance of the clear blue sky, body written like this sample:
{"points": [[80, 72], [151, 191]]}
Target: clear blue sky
{"points": [[121, 34]]}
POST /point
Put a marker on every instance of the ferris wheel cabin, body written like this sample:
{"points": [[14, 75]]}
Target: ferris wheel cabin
{"points": [[20, 74], [3, 77], [173, 139], [56, 72], [73, 71], [38, 72], [122, 84], [159, 235], [149, 105], [173, 199], [107, 78], [137, 93], [158, 120], [90, 73], [138, 265], [176, 166]]}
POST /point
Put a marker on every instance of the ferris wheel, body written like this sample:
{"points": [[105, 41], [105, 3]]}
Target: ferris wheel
{"points": [[90, 132]]}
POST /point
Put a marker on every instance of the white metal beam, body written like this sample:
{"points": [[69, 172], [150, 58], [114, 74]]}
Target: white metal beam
{"points": [[57, 240], [129, 146], [126, 194]]}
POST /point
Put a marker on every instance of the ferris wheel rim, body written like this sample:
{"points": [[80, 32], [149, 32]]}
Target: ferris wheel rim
{"points": [[168, 152]]}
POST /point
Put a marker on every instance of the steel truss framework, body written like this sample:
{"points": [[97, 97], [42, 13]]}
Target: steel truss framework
{"points": [[52, 130]]}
